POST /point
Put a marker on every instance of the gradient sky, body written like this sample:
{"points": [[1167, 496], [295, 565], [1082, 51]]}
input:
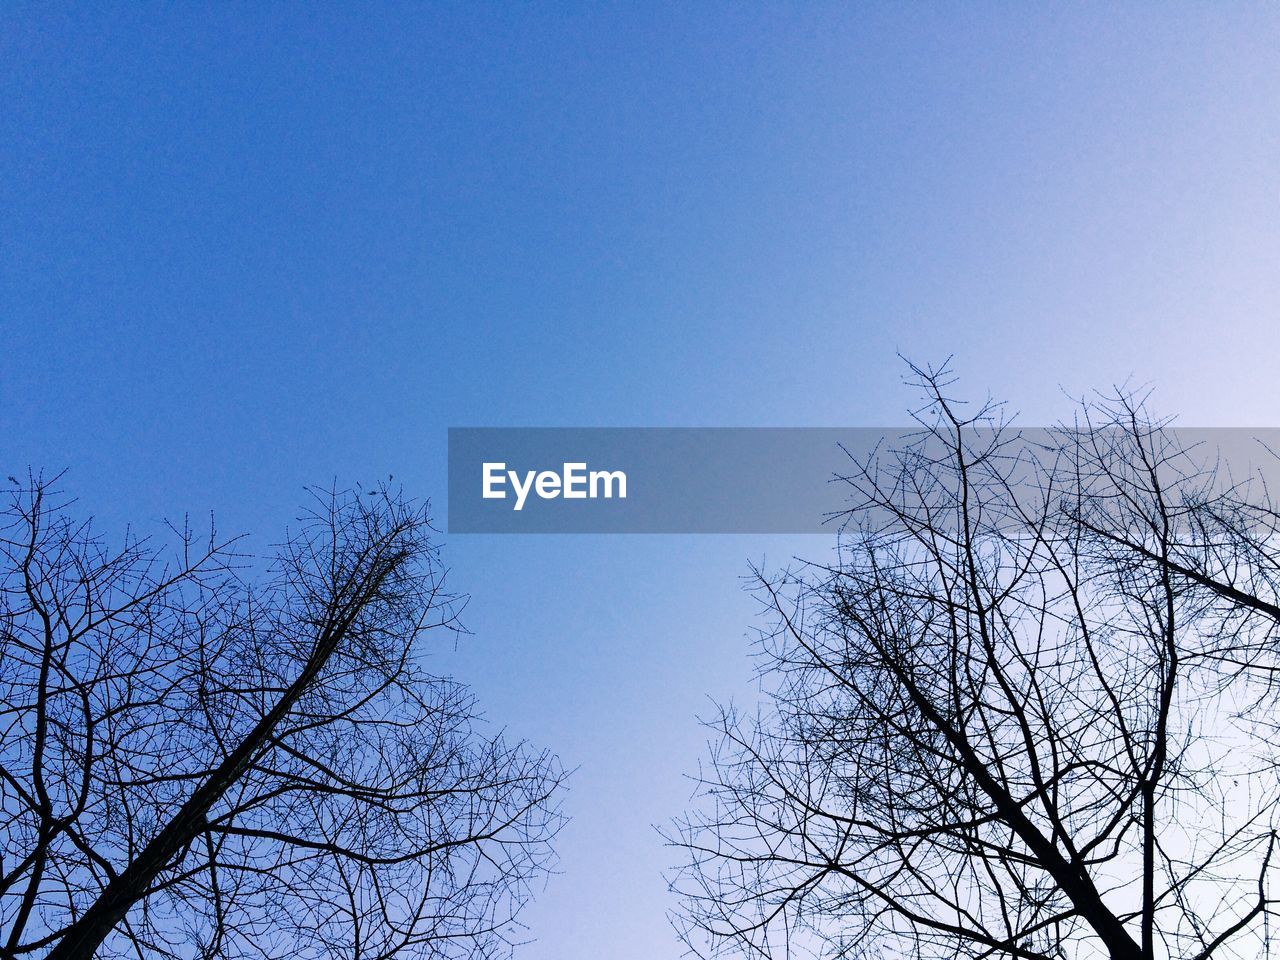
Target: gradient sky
{"points": [[244, 248]]}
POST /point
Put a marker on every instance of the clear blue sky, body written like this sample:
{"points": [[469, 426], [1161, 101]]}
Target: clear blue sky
{"points": [[246, 247]]}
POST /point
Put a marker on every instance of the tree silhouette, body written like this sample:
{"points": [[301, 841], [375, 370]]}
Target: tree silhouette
{"points": [[1027, 711], [195, 762]]}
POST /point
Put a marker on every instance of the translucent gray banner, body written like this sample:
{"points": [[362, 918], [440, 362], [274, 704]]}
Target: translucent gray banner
{"points": [[723, 479]]}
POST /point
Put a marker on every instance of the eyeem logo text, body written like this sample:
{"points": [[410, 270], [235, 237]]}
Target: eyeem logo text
{"points": [[574, 482]]}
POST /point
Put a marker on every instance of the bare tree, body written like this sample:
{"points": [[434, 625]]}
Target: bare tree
{"points": [[197, 762], [1026, 712]]}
